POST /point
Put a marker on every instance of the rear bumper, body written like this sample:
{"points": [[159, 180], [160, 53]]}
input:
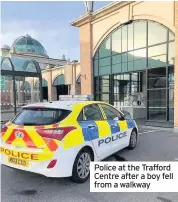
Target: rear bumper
{"points": [[37, 167], [63, 167]]}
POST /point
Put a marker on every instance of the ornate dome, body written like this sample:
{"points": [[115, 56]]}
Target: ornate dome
{"points": [[26, 44]]}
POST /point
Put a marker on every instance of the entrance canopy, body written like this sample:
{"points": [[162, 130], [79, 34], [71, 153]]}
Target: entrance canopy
{"points": [[20, 67], [13, 70]]}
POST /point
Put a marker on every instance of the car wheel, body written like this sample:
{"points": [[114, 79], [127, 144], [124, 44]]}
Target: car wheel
{"points": [[81, 168], [133, 140]]}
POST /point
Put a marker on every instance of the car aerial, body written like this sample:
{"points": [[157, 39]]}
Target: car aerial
{"points": [[60, 138]]}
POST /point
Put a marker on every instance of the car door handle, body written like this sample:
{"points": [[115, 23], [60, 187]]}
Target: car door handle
{"points": [[91, 126]]}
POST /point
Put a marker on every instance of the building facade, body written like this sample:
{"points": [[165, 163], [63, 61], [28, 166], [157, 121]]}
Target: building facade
{"points": [[22, 66], [129, 52]]}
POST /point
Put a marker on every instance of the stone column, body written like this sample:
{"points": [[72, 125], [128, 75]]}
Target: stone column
{"points": [[32, 91], [51, 89], [86, 58], [11, 93], [19, 92], [73, 85], [176, 68]]}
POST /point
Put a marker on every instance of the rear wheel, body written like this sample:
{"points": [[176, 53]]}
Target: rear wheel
{"points": [[81, 168], [133, 140]]}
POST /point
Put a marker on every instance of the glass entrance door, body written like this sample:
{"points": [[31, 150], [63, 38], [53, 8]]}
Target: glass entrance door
{"points": [[160, 94]]}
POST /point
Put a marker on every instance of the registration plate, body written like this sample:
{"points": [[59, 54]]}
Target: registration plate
{"points": [[17, 161]]}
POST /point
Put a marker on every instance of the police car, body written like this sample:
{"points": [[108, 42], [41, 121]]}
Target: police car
{"points": [[60, 138]]}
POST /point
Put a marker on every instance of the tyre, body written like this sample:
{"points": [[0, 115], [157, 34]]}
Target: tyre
{"points": [[81, 168], [133, 140]]}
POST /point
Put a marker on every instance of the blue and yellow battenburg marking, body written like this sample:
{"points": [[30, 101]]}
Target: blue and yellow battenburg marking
{"points": [[101, 129]]}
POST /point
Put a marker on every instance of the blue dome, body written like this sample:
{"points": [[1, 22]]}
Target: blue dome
{"points": [[26, 44]]}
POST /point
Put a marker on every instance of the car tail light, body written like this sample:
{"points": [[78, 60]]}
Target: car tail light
{"points": [[52, 163], [55, 133], [4, 128]]}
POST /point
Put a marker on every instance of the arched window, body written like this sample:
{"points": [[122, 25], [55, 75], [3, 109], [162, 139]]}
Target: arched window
{"points": [[44, 84], [136, 62], [136, 46], [59, 80]]}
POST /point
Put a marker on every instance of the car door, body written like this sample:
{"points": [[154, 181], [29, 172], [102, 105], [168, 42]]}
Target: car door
{"points": [[96, 129], [118, 127]]}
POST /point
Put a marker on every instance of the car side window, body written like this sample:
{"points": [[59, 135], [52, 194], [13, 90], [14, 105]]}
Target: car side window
{"points": [[80, 117], [111, 113], [92, 112]]}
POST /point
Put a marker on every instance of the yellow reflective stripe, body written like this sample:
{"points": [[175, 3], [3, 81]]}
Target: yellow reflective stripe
{"points": [[123, 125], [74, 138], [39, 156], [37, 140], [19, 142], [103, 128], [7, 134], [102, 111]]}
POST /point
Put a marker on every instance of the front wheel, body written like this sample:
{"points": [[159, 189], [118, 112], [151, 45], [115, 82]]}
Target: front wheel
{"points": [[133, 140], [81, 168]]}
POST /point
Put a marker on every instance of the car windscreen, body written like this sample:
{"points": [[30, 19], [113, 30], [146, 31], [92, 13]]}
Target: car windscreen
{"points": [[40, 116]]}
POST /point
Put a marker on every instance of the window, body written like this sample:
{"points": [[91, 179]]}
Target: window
{"points": [[40, 116], [130, 37], [92, 112], [116, 59], [80, 117], [157, 78], [116, 68], [157, 56], [104, 97], [111, 113], [124, 38], [171, 77], [104, 66], [95, 67], [159, 37], [142, 46], [105, 49], [116, 42], [139, 34], [104, 84], [171, 53]]}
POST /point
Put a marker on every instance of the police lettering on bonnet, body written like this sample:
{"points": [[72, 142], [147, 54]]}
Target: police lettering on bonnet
{"points": [[112, 138]]}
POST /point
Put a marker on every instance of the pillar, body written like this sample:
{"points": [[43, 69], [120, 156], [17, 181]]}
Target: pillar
{"points": [[51, 89], [86, 58], [73, 85], [176, 68], [11, 93], [32, 91]]}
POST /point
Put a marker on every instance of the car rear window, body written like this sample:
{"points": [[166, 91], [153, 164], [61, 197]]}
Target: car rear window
{"points": [[39, 116]]}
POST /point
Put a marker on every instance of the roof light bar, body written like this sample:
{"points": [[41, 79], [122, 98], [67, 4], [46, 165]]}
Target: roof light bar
{"points": [[76, 97]]}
